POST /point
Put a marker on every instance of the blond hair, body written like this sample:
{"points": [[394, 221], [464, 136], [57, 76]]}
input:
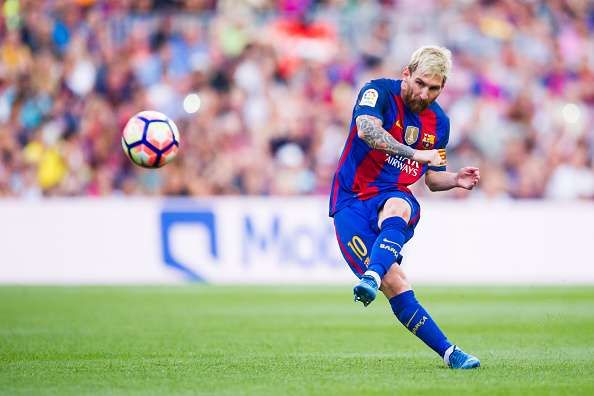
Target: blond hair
{"points": [[431, 60]]}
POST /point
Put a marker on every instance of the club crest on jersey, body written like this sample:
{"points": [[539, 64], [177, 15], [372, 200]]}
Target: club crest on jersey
{"points": [[428, 140], [369, 98], [411, 135]]}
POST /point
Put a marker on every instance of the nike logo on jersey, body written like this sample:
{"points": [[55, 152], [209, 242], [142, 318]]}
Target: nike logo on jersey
{"points": [[398, 124]]}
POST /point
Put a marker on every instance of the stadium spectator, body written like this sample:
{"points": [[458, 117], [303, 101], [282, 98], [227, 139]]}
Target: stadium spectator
{"points": [[276, 82]]}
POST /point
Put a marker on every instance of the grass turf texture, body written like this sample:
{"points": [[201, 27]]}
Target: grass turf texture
{"points": [[290, 341]]}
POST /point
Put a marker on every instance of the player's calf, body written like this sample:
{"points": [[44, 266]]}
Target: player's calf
{"points": [[411, 313], [393, 223], [393, 283], [417, 320], [387, 246]]}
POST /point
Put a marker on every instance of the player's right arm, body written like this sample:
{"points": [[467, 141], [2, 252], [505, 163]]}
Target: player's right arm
{"points": [[369, 129]]}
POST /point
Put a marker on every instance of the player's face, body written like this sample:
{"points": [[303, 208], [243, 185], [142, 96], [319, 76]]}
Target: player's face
{"points": [[419, 91]]}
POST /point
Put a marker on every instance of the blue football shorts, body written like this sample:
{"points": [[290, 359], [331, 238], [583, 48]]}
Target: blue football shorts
{"points": [[357, 229]]}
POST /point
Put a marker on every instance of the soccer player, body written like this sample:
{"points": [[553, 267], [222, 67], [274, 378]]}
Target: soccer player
{"points": [[398, 134]]}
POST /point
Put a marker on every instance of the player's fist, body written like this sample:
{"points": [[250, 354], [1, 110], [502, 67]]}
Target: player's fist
{"points": [[468, 177], [431, 157]]}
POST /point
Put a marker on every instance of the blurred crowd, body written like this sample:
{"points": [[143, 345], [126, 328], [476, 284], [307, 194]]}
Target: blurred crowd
{"points": [[277, 81]]}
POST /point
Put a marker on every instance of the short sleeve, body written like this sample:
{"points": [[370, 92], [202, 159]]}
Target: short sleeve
{"points": [[443, 135], [371, 101]]}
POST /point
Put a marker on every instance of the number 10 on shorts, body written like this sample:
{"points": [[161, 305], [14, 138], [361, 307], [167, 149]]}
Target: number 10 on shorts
{"points": [[358, 247]]}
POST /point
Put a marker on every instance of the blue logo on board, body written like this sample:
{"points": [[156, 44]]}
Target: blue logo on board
{"points": [[204, 219]]}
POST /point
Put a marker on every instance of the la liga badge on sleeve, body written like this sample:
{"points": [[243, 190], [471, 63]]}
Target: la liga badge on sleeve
{"points": [[369, 98]]}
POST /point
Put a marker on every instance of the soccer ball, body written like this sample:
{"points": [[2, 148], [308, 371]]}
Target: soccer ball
{"points": [[150, 139]]}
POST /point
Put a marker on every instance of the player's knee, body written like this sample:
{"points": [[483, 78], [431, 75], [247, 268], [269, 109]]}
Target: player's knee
{"points": [[395, 282], [395, 207]]}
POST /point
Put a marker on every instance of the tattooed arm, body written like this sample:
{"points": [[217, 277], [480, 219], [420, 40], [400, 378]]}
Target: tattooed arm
{"points": [[370, 129]]}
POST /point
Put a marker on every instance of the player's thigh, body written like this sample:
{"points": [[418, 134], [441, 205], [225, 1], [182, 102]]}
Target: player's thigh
{"points": [[355, 238], [395, 207]]}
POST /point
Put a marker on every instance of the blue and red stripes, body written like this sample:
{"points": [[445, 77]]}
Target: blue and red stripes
{"points": [[367, 172], [343, 157], [399, 135], [428, 120]]}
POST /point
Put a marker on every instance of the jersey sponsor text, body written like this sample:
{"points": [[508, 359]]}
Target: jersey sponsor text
{"points": [[404, 164]]}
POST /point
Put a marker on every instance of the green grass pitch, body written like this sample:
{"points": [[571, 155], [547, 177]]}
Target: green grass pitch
{"points": [[289, 341]]}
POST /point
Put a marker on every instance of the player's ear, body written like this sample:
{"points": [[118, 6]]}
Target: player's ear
{"points": [[406, 72]]}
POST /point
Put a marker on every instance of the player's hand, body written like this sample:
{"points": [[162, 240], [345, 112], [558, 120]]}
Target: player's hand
{"points": [[431, 157], [468, 177]]}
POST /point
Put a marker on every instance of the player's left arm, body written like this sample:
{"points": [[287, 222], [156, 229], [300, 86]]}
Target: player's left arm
{"points": [[467, 178], [438, 179]]}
